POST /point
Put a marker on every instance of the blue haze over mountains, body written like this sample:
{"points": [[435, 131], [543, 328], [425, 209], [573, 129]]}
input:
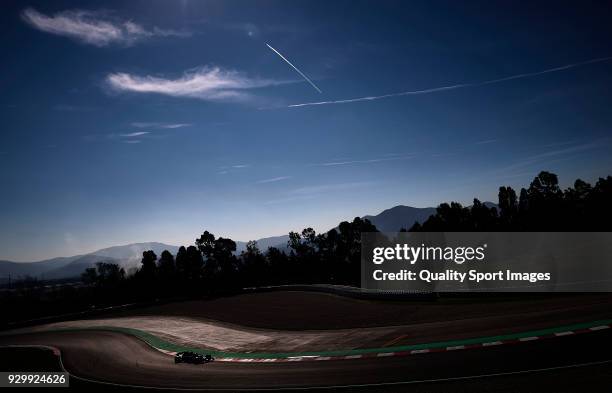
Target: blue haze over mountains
{"points": [[129, 256]]}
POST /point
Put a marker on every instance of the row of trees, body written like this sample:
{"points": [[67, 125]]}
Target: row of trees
{"points": [[543, 206], [211, 265]]}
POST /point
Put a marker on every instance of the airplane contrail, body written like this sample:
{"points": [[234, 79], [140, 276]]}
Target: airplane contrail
{"points": [[457, 86], [295, 68]]}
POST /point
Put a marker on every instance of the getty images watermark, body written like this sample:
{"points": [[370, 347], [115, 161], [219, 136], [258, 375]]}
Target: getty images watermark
{"points": [[487, 261]]}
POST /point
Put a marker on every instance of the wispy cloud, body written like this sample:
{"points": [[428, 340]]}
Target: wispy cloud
{"points": [[315, 191], [274, 179], [557, 154], [369, 161], [160, 125], [456, 86], [207, 83], [150, 127], [134, 134], [227, 169], [325, 188], [485, 142], [132, 141], [94, 28], [290, 199], [562, 143]]}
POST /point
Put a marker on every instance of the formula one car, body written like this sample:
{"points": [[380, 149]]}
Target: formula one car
{"points": [[193, 358]]}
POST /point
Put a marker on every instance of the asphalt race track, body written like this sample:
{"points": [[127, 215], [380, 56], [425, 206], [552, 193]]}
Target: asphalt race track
{"points": [[580, 363]]}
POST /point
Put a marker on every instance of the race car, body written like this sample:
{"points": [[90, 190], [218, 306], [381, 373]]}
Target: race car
{"points": [[192, 357]]}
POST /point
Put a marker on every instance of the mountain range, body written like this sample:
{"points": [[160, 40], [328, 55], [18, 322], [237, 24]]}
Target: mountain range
{"points": [[129, 256], [67, 267]]}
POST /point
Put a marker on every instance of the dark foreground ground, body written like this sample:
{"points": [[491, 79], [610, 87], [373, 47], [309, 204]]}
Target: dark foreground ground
{"points": [[580, 363], [576, 363]]}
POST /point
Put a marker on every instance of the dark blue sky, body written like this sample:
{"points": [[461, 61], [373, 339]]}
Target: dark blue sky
{"points": [[142, 121]]}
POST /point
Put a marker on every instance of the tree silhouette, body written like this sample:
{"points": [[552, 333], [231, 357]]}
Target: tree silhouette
{"points": [[223, 254], [194, 263], [90, 276], [148, 271], [279, 267], [206, 244], [167, 267], [181, 263], [254, 265], [508, 207]]}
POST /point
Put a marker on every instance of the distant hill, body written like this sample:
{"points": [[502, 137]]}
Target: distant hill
{"points": [[490, 205], [398, 217], [390, 220], [129, 256], [263, 244], [76, 267], [67, 267], [17, 269], [135, 250]]}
